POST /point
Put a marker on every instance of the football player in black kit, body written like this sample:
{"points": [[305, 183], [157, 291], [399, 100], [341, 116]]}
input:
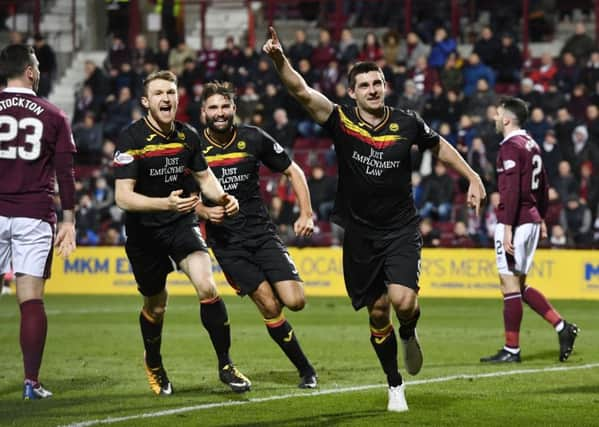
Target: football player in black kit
{"points": [[252, 256], [155, 157], [382, 244]]}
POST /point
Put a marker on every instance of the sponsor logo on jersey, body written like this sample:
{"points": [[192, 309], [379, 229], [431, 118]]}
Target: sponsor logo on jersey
{"points": [[181, 135], [509, 164], [207, 149], [393, 127], [151, 137], [278, 148], [121, 159], [241, 145]]}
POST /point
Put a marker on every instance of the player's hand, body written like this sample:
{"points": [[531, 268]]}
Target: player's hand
{"points": [[476, 194], [272, 47], [182, 204], [65, 239], [230, 204], [304, 226], [215, 214], [544, 233], [507, 240]]}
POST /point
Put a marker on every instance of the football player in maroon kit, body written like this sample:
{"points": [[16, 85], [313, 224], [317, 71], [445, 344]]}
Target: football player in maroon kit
{"points": [[36, 145], [523, 188]]}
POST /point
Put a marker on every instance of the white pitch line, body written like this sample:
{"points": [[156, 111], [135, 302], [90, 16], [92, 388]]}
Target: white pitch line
{"points": [[112, 420]]}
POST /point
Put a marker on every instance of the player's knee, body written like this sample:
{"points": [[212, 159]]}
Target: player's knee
{"points": [[271, 309], [156, 312], [296, 303]]}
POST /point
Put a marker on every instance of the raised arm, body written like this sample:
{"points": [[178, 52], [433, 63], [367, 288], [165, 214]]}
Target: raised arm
{"points": [[318, 106], [304, 226], [476, 190]]}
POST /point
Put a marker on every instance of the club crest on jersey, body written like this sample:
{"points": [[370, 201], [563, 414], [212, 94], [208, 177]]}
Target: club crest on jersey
{"points": [[277, 147], [241, 145], [393, 127], [121, 159]]}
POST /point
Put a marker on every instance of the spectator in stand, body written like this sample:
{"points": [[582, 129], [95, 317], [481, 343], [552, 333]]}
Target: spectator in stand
{"points": [[86, 216], [182, 114], [282, 216], [414, 48], [232, 55], [249, 66], [592, 123], [589, 187], [529, 94], [564, 127], [324, 52], [446, 132], [431, 237], [141, 53], [435, 106], [118, 54], [117, 13], [554, 208], [177, 56], [417, 189], [271, 100], [565, 183], [559, 239], [86, 102], [576, 219], [47, 59], [96, 80], [348, 49], [301, 48], [118, 114], [568, 72], [437, 194], [283, 131], [89, 137], [551, 155], [537, 126], [371, 48], [461, 238], [589, 75], [487, 47], [194, 107], [477, 159], [267, 75], [544, 74], [341, 96], [329, 78], [208, 59], [473, 72], [442, 46], [322, 192], [466, 133], [391, 47], [191, 75], [509, 60], [163, 54], [477, 103], [102, 197], [411, 98], [581, 150], [424, 76], [247, 103], [487, 132], [451, 75], [124, 77], [580, 44], [552, 100], [455, 108], [578, 103]]}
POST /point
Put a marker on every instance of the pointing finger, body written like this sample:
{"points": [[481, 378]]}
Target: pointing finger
{"points": [[273, 34]]}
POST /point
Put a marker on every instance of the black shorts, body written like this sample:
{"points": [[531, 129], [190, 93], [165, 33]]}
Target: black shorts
{"points": [[247, 265], [371, 264], [155, 252]]}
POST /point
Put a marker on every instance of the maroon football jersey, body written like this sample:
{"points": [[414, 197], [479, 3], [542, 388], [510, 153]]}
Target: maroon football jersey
{"points": [[522, 180], [31, 131]]}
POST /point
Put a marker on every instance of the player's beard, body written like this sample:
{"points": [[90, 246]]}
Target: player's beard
{"points": [[211, 124]]}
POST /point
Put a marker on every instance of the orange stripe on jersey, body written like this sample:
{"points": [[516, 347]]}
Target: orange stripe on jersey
{"points": [[226, 159], [157, 150], [364, 135]]}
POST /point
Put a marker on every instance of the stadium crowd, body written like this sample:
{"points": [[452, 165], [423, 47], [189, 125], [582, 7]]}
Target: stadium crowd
{"points": [[424, 72]]}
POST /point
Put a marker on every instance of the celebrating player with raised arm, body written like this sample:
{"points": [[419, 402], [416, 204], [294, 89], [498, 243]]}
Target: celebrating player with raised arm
{"points": [[382, 244]]}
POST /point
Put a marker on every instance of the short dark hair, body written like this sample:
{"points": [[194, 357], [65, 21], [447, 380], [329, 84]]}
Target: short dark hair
{"points": [[159, 75], [14, 59], [225, 89], [516, 106], [360, 68]]}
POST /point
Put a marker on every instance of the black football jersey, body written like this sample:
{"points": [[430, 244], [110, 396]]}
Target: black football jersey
{"points": [[236, 164], [160, 164], [374, 192]]}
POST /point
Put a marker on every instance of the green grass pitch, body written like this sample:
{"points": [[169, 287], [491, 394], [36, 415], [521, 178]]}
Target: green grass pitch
{"points": [[93, 364]]}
